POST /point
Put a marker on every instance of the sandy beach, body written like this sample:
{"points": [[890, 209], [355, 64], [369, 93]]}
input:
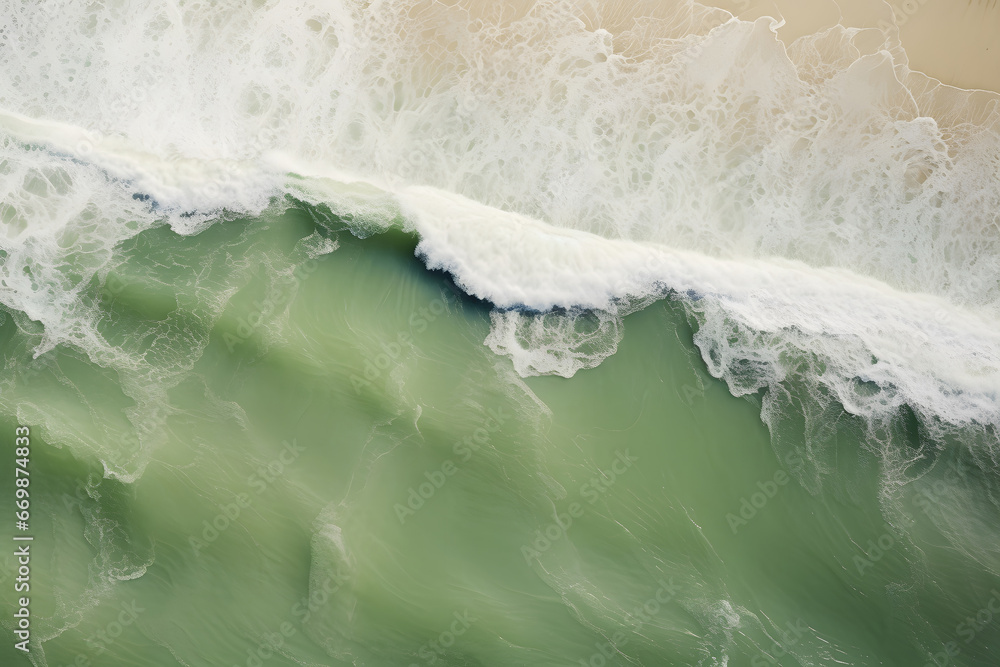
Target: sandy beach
{"points": [[957, 43]]}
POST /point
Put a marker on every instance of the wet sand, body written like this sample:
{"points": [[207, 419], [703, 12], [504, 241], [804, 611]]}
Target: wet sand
{"points": [[957, 43]]}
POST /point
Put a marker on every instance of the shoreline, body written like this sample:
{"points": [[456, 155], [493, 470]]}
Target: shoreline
{"points": [[958, 45]]}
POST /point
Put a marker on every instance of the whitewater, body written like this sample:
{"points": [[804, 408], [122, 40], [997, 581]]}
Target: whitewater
{"points": [[359, 299], [827, 215]]}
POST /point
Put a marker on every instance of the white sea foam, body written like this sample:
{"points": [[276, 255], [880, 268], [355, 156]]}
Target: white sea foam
{"points": [[939, 356], [820, 199]]}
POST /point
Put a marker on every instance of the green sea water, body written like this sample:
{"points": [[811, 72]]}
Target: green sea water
{"points": [[344, 474], [395, 333]]}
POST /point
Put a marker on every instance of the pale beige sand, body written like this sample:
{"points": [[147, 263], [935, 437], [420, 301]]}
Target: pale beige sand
{"points": [[955, 41]]}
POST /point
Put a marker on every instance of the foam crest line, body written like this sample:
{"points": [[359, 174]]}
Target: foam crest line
{"points": [[177, 184], [941, 357], [932, 353]]}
